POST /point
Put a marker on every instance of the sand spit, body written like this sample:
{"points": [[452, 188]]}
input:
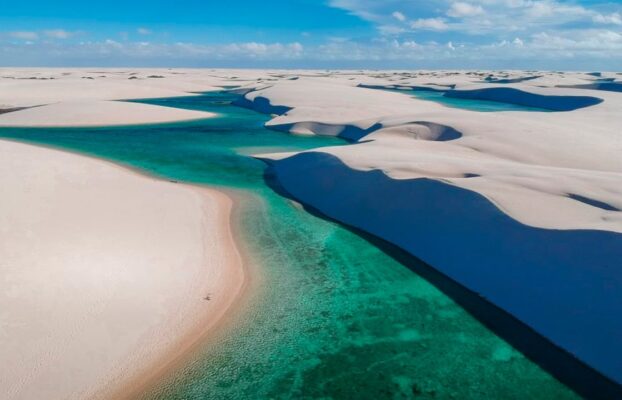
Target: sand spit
{"points": [[106, 273], [76, 97], [97, 113]]}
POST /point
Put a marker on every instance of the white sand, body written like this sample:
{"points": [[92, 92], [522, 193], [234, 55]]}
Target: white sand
{"points": [[64, 97], [530, 165], [84, 96], [522, 158], [561, 171], [103, 271], [97, 113]]}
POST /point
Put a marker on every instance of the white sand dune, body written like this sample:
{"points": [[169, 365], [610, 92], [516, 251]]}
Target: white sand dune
{"points": [[519, 157], [78, 97], [104, 272], [520, 207], [97, 113], [523, 208], [83, 96]]}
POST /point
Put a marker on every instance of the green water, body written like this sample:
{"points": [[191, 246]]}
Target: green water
{"points": [[334, 317]]}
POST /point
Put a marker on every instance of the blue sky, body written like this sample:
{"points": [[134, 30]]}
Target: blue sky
{"points": [[549, 34]]}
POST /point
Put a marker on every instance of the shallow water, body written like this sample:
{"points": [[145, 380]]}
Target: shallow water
{"points": [[466, 104], [335, 316], [470, 104]]}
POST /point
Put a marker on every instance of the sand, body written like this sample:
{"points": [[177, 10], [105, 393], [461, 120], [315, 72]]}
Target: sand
{"points": [[522, 208], [71, 97], [97, 113], [105, 272], [546, 185], [519, 157]]}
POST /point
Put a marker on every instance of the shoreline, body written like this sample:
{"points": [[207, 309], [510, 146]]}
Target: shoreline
{"points": [[145, 370], [195, 343], [94, 114]]}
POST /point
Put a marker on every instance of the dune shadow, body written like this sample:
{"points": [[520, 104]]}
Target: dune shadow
{"points": [[522, 98], [550, 293]]}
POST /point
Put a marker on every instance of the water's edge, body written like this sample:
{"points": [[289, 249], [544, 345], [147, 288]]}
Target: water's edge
{"points": [[333, 309]]}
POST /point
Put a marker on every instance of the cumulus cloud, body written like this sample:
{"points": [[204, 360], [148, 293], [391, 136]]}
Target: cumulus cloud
{"points": [[257, 50], [594, 42], [445, 33], [432, 24], [34, 35], [188, 51], [487, 17], [614, 19], [460, 10], [536, 32], [540, 50], [399, 16], [58, 34], [24, 35]]}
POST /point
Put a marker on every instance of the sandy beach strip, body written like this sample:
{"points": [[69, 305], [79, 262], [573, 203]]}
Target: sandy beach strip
{"points": [[92, 113], [107, 275]]}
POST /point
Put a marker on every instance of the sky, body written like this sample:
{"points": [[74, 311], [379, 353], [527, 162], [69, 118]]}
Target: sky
{"points": [[355, 34]]}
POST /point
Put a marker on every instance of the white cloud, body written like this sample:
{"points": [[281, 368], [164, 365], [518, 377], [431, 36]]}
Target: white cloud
{"points": [[399, 16], [597, 49], [613, 19], [461, 33], [391, 29], [540, 9], [599, 42], [58, 34], [486, 17], [143, 31], [229, 51], [24, 35], [432, 24], [460, 10]]}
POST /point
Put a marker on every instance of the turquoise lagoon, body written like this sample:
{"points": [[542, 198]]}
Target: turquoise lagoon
{"points": [[470, 104], [335, 316], [466, 104]]}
